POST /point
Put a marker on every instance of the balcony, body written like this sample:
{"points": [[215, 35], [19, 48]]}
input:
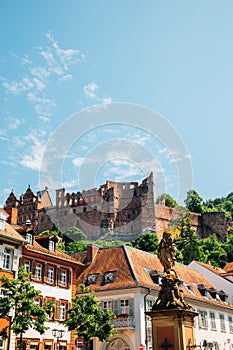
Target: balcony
{"points": [[123, 321]]}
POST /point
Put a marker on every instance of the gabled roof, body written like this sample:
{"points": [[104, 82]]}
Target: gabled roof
{"points": [[11, 234], [36, 248], [132, 268], [217, 270], [229, 267]]}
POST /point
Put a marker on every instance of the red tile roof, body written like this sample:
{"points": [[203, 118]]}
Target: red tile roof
{"points": [[12, 234], [214, 269], [229, 267], [133, 268], [57, 254]]}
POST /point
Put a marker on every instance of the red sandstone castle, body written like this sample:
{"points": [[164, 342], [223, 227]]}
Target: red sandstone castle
{"points": [[116, 210]]}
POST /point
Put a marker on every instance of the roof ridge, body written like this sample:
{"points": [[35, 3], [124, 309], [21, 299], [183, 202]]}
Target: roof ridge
{"points": [[130, 264]]}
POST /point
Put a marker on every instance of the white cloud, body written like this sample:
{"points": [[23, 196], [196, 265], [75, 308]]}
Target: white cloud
{"points": [[33, 158], [13, 123], [90, 91], [40, 75]]}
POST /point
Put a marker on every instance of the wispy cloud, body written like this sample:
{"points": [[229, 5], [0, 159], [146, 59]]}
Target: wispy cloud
{"points": [[40, 75], [33, 158], [91, 91]]}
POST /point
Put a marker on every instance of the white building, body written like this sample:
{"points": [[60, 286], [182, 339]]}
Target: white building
{"points": [[125, 280], [54, 274]]}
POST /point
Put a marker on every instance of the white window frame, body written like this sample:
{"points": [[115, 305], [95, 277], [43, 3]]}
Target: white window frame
{"points": [[63, 307], [38, 272], [203, 322], [27, 266], [7, 259], [29, 238], [212, 320], [230, 322], [124, 306], [51, 246], [2, 344], [51, 274], [64, 278], [107, 305], [222, 323]]}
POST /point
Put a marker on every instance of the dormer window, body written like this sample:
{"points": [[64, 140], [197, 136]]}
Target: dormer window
{"points": [[109, 277], [51, 246], [29, 238]]}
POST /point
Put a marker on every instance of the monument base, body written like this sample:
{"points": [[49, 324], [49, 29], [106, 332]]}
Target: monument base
{"points": [[172, 329]]}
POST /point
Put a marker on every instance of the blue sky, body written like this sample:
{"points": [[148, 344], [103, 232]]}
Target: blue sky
{"points": [[59, 58]]}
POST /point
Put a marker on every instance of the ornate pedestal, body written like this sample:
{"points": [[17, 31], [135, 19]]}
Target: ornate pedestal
{"points": [[172, 329]]}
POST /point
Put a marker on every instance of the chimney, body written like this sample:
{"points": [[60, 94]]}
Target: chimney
{"points": [[92, 250], [13, 216]]}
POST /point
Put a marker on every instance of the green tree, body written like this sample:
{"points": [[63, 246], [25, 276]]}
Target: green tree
{"points": [[75, 234], [228, 246], [88, 319], [215, 253], [148, 242], [188, 244], [19, 297], [169, 201], [194, 202]]}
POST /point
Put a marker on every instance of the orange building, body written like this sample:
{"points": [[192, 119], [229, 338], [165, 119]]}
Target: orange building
{"points": [[11, 245]]}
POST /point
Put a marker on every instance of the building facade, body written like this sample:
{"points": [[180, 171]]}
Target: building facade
{"points": [[127, 281]]}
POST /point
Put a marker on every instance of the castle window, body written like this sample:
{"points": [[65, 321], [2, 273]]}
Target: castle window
{"points": [[128, 216], [84, 209]]}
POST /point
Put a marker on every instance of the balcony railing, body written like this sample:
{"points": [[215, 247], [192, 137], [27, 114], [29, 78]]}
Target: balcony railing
{"points": [[123, 322]]}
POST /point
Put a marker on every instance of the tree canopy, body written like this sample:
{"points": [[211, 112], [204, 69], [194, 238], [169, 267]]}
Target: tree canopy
{"points": [[19, 297], [88, 319]]}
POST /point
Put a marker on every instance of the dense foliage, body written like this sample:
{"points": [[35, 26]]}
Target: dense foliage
{"points": [[19, 297], [88, 319]]}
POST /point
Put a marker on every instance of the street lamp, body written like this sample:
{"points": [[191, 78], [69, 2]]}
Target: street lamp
{"points": [[58, 333]]}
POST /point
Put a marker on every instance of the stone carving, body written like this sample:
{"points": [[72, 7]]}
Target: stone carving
{"points": [[170, 296]]}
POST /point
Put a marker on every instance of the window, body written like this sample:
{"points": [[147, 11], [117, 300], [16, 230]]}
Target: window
{"points": [[7, 259], [37, 301], [27, 266], [64, 278], [109, 277], [149, 304], [203, 319], [92, 279], [2, 344], [63, 306], [29, 238], [50, 275], [107, 305], [230, 321], [124, 306], [212, 320], [51, 246], [222, 323], [38, 272]]}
